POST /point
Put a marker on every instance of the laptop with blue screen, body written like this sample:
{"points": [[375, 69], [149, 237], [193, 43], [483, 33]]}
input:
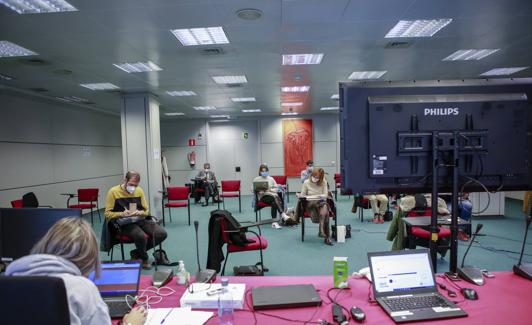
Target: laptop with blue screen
{"points": [[118, 279], [405, 287]]}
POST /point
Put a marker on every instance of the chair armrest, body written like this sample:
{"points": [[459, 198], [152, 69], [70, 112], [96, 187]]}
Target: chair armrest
{"points": [[71, 195], [257, 224]]}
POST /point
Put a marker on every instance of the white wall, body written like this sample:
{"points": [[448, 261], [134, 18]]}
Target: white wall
{"points": [[52, 148], [176, 132]]}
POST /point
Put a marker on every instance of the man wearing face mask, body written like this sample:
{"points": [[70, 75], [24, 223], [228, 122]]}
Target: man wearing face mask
{"points": [[305, 174], [207, 181], [126, 205]]}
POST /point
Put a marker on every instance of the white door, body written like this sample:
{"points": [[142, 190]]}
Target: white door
{"points": [[229, 148]]}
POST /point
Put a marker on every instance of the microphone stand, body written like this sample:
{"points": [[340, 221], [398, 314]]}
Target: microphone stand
{"points": [[471, 273], [525, 269]]}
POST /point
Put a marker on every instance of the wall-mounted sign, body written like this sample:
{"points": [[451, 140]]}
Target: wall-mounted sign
{"points": [[191, 142], [245, 135]]}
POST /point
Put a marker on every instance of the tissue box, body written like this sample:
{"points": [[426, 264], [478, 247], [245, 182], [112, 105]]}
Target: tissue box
{"points": [[340, 272]]}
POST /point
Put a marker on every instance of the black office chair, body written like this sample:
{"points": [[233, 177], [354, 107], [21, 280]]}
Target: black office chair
{"points": [[29, 200], [19, 294]]}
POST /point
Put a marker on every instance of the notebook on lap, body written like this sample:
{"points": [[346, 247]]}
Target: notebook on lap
{"points": [[260, 186], [118, 279], [405, 287]]}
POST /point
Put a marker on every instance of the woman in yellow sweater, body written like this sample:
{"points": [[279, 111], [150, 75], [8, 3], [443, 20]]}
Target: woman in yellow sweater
{"points": [[315, 190]]}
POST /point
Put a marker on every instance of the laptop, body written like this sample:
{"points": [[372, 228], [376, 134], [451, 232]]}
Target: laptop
{"points": [[405, 287], [118, 279], [259, 186], [286, 296]]}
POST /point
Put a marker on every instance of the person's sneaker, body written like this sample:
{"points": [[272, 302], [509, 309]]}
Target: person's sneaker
{"points": [[146, 265], [328, 241], [276, 225], [462, 236], [284, 216]]}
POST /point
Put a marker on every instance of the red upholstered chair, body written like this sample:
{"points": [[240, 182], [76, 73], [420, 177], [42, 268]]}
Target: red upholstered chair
{"points": [[362, 202], [419, 234], [306, 214], [17, 203], [337, 184], [87, 199], [259, 206], [177, 197], [231, 189], [258, 242], [119, 238], [283, 180]]}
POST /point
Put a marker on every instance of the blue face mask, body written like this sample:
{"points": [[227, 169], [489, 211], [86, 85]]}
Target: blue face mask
{"points": [[264, 174]]}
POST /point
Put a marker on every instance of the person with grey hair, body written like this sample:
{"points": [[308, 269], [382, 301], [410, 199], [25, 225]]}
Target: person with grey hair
{"points": [[69, 251], [207, 181]]}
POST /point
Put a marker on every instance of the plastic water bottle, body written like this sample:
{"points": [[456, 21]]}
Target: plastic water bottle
{"points": [[225, 304], [182, 274]]}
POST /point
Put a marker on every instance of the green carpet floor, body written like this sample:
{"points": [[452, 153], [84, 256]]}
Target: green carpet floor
{"points": [[287, 255]]}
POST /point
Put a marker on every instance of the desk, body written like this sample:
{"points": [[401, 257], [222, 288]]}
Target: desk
{"points": [[502, 300]]}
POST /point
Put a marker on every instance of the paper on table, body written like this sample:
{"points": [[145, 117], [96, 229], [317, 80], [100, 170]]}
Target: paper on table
{"points": [[178, 316]]}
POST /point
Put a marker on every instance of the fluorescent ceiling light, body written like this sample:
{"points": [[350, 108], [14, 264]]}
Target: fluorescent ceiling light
{"points": [[204, 108], [295, 89], [181, 93], [38, 6], [299, 59], [331, 108], [219, 116], [466, 55], [100, 86], [366, 75], [243, 99], [200, 36], [503, 71], [417, 28], [289, 113], [335, 96], [251, 110], [292, 104], [8, 49], [6, 77], [230, 80], [138, 67], [73, 99], [174, 114]]}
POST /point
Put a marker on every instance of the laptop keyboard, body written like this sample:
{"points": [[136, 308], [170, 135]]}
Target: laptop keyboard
{"points": [[416, 302]]}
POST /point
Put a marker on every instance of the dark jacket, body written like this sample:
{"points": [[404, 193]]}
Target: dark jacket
{"points": [[215, 254], [107, 240]]}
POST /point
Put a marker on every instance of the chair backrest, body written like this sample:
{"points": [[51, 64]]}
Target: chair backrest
{"points": [[223, 228], [177, 193], [280, 179], [87, 195], [425, 212], [19, 293], [231, 186], [29, 200], [337, 178], [17, 203]]}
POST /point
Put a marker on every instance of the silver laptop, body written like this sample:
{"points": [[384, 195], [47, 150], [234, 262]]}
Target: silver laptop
{"points": [[259, 186], [405, 287], [118, 279]]}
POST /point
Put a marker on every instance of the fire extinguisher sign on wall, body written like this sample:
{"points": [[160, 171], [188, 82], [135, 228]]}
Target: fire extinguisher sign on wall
{"points": [[191, 142]]}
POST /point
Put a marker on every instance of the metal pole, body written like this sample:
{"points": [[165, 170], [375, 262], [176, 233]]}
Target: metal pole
{"points": [[433, 241], [454, 205]]}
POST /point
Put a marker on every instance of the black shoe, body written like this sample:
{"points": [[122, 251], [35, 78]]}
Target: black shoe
{"points": [[205, 204], [134, 254], [328, 241]]}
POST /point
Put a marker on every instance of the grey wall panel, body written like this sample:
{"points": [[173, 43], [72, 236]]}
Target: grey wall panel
{"points": [[77, 162], [324, 128], [25, 164], [177, 132], [325, 154], [271, 130], [273, 155]]}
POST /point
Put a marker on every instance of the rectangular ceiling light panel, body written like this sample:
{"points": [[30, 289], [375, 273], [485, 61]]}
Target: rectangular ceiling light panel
{"points": [[200, 36], [468, 55], [417, 28], [8, 49], [300, 59], [138, 67], [38, 6]]}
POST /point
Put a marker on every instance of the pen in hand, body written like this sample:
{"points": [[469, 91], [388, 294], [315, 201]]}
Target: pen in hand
{"points": [[168, 314]]}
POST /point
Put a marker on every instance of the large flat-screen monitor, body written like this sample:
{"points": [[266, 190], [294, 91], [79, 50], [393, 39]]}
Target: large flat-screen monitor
{"points": [[22, 228], [387, 128]]}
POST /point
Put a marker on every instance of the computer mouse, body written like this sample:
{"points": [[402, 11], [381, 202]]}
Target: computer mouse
{"points": [[358, 314], [469, 293]]}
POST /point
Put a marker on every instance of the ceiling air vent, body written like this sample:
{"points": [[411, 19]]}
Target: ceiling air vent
{"points": [[33, 61], [397, 45], [234, 85], [212, 51]]}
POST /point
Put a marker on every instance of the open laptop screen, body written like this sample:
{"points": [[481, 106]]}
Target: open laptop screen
{"points": [[118, 278], [401, 272]]}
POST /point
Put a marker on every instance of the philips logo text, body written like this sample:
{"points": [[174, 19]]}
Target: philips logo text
{"points": [[442, 111]]}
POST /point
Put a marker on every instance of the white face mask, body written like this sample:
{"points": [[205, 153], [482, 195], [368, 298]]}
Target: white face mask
{"points": [[314, 179], [130, 189], [310, 168], [207, 170]]}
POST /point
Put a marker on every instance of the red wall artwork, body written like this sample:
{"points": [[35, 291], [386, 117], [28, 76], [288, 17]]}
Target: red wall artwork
{"points": [[297, 140]]}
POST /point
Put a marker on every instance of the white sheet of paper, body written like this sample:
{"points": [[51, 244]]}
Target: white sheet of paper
{"points": [[178, 316]]}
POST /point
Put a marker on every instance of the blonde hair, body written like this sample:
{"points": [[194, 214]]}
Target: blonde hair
{"points": [[320, 174], [73, 239]]}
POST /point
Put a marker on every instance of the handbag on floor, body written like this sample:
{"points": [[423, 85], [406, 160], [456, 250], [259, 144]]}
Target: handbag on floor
{"points": [[347, 231]]}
